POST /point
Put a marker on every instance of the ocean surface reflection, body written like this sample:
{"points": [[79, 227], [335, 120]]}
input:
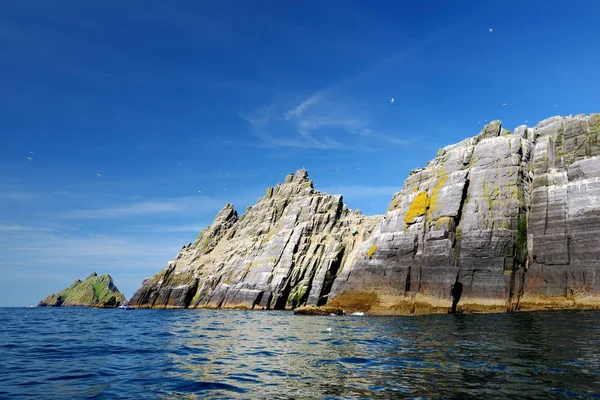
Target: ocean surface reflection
{"points": [[90, 353]]}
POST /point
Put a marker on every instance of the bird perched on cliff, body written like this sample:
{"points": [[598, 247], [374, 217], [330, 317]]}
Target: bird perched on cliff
{"points": [[392, 101]]}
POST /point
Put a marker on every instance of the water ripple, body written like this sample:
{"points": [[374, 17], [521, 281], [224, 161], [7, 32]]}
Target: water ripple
{"points": [[148, 354]]}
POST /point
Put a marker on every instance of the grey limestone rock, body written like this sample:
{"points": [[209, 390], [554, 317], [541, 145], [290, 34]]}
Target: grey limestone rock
{"points": [[285, 251], [513, 217]]}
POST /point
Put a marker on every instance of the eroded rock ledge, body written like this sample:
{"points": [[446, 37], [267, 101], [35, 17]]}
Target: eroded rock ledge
{"points": [[512, 216]]}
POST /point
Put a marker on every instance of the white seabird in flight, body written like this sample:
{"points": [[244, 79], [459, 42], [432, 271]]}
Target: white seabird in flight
{"points": [[504, 104], [491, 30], [30, 159], [392, 100], [99, 175]]}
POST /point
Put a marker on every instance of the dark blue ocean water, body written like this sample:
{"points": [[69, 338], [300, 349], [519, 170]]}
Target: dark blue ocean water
{"points": [[112, 354]]}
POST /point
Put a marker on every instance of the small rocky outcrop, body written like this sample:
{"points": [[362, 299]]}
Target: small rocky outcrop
{"points": [[502, 221], [94, 291]]}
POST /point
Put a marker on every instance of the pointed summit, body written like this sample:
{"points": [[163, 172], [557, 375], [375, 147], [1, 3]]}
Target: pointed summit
{"points": [[300, 176]]}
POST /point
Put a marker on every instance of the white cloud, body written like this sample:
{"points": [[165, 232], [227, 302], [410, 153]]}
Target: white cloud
{"points": [[333, 125], [166, 228], [361, 191], [21, 228], [38, 249], [303, 106], [170, 206]]}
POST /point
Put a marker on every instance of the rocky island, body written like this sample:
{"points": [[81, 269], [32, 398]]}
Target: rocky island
{"points": [[94, 291], [512, 218]]}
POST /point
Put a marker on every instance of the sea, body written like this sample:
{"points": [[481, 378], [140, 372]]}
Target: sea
{"points": [[72, 353]]}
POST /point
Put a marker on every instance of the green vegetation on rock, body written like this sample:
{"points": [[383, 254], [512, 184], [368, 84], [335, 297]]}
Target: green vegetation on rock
{"points": [[97, 291]]}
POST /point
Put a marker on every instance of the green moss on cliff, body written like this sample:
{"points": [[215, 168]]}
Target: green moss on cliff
{"points": [[297, 296]]}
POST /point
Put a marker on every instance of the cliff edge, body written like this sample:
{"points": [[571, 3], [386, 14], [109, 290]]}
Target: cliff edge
{"points": [[94, 291], [512, 218]]}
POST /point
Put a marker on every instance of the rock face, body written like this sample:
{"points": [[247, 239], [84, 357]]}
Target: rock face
{"points": [[95, 291], [283, 252], [512, 219]]}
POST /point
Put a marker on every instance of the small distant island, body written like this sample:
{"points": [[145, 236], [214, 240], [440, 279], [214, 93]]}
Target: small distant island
{"points": [[94, 291]]}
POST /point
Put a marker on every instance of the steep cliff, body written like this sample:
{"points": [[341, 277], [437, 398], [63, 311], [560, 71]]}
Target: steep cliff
{"points": [[511, 218], [283, 252], [96, 291]]}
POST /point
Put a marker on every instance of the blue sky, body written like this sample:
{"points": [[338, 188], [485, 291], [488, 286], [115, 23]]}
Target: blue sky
{"points": [[165, 98]]}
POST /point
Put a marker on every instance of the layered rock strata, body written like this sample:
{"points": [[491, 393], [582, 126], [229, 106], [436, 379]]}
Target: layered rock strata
{"points": [[513, 217], [283, 252]]}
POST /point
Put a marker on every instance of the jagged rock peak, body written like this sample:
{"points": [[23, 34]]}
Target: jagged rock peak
{"points": [[300, 176], [227, 213], [492, 129], [294, 185], [93, 274]]}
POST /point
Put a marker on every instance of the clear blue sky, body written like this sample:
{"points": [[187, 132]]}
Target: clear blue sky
{"points": [[165, 98]]}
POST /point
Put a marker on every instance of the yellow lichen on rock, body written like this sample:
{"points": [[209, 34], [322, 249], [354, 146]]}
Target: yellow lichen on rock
{"points": [[435, 192], [417, 208], [393, 205], [371, 251]]}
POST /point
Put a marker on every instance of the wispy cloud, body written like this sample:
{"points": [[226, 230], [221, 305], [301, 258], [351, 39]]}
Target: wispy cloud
{"points": [[321, 121], [196, 228], [297, 111], [18, 195], [21, 228], [360, 191], [124, 254], [169, 206], [326, 119]]}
